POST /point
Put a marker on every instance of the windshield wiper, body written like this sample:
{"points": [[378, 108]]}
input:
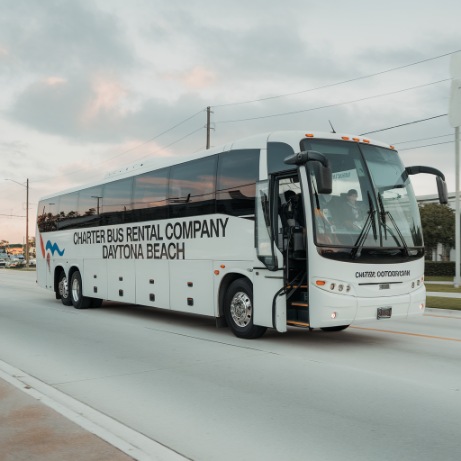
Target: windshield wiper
{"points": [[372, 210], [383, 213], [370, 222]]}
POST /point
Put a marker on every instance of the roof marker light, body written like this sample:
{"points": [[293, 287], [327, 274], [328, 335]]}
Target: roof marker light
{"points": [[309, 135], [320, 283], [346, 138], [356, 139]]}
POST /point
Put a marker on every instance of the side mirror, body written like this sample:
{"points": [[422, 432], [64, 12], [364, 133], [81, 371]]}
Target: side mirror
{"points": [[442, 190], [323, 177], [440, 178], [320, 167]]}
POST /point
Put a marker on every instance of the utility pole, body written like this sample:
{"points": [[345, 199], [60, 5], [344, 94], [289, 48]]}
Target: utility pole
{"points": [[208, 128]]}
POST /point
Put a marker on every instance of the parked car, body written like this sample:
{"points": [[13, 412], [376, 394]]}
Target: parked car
{"points": [[3, 258], [14, 263]]}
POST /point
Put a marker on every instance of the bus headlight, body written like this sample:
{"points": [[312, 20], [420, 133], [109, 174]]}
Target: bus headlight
{"points": [[333, 286], [419, 282]]}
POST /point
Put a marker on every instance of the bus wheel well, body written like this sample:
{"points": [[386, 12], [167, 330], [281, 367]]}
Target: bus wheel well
{"points": [[57, 275], [225, 284]]}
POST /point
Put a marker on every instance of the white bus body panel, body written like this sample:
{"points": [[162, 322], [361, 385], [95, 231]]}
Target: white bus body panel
{"points": [[94, 278], [266, 284], [152, 278], [153, 283], [371, 287], [121, 283], [191, 288]]}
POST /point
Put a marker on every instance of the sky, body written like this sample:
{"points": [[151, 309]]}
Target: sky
{"points": [[90, 86]]}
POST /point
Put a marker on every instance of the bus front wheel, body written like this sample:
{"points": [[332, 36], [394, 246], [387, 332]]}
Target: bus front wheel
{"points": [[63, 289], [78, 300], [238, 310]]}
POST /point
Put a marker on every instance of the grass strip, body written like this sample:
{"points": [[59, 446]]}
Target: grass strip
{"points": [[442, 288], [443, 303]]}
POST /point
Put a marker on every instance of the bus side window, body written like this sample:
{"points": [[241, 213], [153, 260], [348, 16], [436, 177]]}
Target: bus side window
{"points": [[68, 205], [192, 188], [89, 207], [117, 201], [150, 195], [49, 214], [238, 171]]}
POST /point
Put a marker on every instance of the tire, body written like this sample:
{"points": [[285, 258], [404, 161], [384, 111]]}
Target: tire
{"points": [[338, 328], [76, 292], [238, 310], [63, 290]]}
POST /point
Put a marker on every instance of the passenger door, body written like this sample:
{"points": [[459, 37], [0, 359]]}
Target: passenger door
{"points": [[269, 304]]}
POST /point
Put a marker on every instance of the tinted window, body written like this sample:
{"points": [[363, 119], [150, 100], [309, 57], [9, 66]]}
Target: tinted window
{"points": [[116, 202], [238, 172], [277, 152], [192, 188], [89, 207], [47, 215], [150, 195], [68, 210]]}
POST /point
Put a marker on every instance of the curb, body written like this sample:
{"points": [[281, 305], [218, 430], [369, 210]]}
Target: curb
{"points": [[125, 439]]}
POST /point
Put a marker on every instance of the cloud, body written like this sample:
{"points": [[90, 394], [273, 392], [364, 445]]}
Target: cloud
{"points": [[59, 37], [198, 77], [51, 108], [107, 97]]}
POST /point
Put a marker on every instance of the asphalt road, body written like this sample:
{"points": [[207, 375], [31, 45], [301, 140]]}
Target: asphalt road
{"points": [[386, 391]]}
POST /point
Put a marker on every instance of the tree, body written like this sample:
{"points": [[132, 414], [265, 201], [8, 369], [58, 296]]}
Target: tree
{"points": [[438, 223]]}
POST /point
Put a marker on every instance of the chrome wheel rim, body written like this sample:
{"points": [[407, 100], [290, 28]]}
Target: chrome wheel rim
{"points": [[241, 309], [63, 288], [75, 290]]}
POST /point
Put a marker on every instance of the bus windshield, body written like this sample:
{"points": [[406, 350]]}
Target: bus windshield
{"points": [[372, 210]]}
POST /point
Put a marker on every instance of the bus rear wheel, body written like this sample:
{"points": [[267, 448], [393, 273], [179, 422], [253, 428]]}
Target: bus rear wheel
{"points": [[238, 310], [63, 289], [76, 293]]}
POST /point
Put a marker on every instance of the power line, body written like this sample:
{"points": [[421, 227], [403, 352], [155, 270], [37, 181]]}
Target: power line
{"points": [[427, 145], [421, 139], [404, 124], [153, 138], [337, 83], [332, 105], [174, 142], [12, 215], [143, 143]]}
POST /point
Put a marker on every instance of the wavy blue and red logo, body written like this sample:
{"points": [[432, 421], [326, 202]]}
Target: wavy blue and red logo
{"points": [[49, 250]]}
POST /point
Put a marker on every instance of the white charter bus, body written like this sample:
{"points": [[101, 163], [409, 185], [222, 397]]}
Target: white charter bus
{"points": [[313, 230]]}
